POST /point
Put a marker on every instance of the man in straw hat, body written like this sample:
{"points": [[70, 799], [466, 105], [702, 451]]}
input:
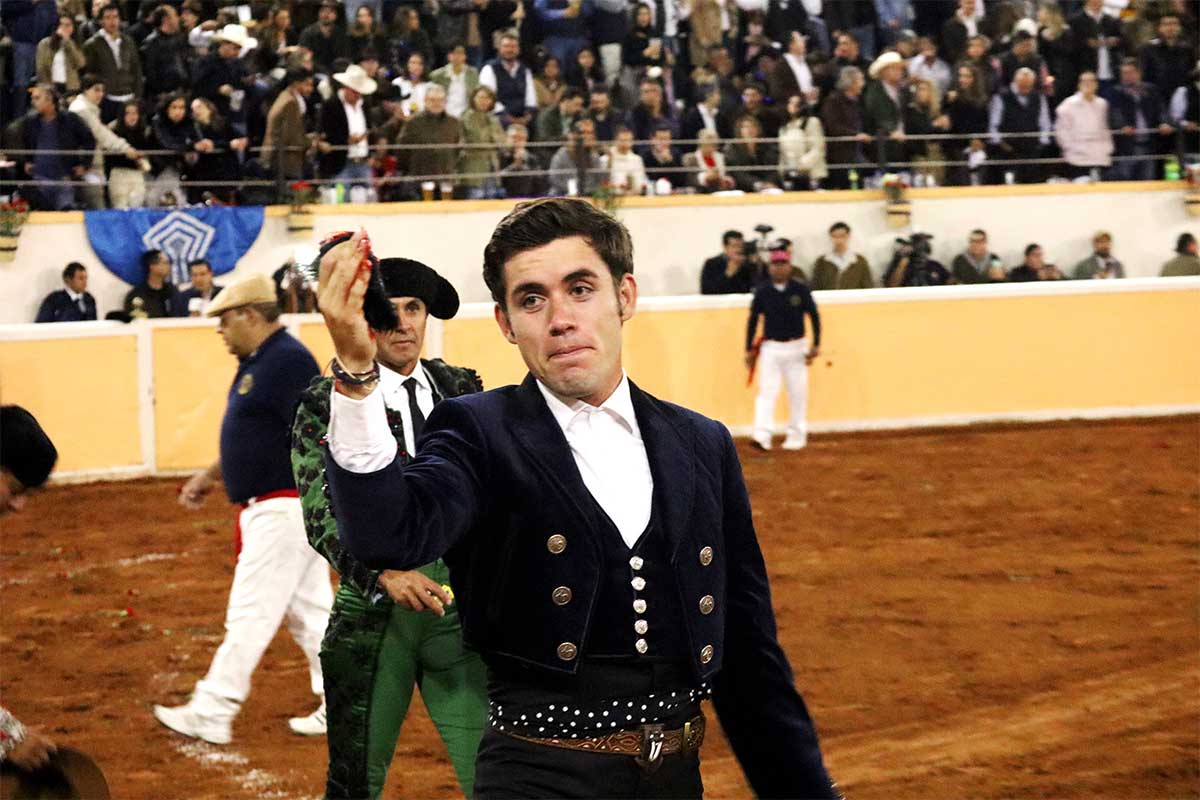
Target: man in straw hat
{"points": [[222, 76], [343, 144], [278, 575], [884, 102], [391, 631]]}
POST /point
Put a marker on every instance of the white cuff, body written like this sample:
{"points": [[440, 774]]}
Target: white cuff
{"points": [[360, 439]]}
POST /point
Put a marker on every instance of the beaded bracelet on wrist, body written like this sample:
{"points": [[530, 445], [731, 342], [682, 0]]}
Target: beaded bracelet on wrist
{"points": [[348, 378]]}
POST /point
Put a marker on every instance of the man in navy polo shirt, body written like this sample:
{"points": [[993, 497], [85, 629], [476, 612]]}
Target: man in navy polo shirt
{"points": [[278, 575]]}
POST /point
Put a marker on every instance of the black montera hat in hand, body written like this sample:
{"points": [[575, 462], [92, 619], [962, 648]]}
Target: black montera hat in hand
{"points": [[25, 449], [403, 277], [380, 313]]}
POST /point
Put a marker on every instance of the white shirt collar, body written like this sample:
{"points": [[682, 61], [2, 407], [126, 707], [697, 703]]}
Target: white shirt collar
{"points": [[619, 404], [392, 382], [71, 293], [844, 260]]}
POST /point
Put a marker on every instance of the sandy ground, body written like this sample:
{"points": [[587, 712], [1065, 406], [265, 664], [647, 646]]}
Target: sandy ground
{"points": [[984, 613]]}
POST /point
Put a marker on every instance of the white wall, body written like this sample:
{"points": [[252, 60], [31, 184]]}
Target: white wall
{"points": [[671, 241]]}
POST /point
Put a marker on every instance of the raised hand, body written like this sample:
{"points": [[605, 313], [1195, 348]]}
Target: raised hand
{"points": [[342, 285]]}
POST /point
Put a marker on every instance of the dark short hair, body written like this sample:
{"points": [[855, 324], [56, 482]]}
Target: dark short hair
{"points": [[1029, 248], [160, 13], [71, 269], [110, 7], [572, 93], [199, 262], [148, 259], [979, 232], [1131, 62], [88, 81], [298, 75], [536, 223], [1184, 241], [661, 126], [756, 86], [839, 226], [269, 311], [729, 235], [598, 89]]}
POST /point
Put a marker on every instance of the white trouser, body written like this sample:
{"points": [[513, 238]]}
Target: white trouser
{"points": [[610, 62], [780, 362], [278, 575], [126, 188]]}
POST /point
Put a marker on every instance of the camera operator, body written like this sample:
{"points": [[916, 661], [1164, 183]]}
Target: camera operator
{"points": [[912, 266], [735, 270]]}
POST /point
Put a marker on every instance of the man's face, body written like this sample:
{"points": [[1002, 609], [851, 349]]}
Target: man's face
{"points": [[327, 15], [751, 98], [400, 349], [661, 138], [161, 268], [847, 48], [975, 48], [1024, 82], [111, 22], [587, 132], [1169, 28], [509, 49], [840, 238], [796, 45], [1130, 76], [780, 268], [624, 142], [458, 56], [1088, 85], [1023, 48], [305, 87], [1034, 259], [651, 95], [201, 277], [236, 327], [229, 50], [435, 102], [977, 245], [565, 315], [600, 103], [170, 22], [12, 493], [352, 97], [721, 61], [734, 248], [95, 94], [518, 137], [892, 74], [78, 282], [967, 7], [1102, 245], [570, 107]]}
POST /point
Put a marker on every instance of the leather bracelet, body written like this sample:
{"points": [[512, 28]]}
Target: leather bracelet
{"points": [[344, 376]]}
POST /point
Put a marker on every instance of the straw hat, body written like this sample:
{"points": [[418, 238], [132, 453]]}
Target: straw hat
{"points": [[245, 292], [236, 34], [356, 78], [883, 62]]}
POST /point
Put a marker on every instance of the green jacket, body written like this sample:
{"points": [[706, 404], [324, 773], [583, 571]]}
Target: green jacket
{"points": [[441, 76], [855, 276], [308, 464], [480, 127], [1182, 264]]}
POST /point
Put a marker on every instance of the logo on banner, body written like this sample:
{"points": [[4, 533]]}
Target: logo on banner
{"points": [[182, 238]]}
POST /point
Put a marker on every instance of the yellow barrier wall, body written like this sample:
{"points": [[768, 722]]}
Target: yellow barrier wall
{"points": [[192, 374]]}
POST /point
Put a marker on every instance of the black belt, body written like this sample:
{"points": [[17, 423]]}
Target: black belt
{"points": [[647, 743]]}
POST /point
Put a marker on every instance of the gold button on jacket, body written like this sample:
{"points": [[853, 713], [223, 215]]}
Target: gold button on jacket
{"points": [[706, 555], [561, 595], [556, 543], [706, 654], [707, 604], [568, 651]]}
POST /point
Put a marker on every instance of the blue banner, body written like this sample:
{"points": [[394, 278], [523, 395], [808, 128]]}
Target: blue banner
{"points": [[219, 234]]}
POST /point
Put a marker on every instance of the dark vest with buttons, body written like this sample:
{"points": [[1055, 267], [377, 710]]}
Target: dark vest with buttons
{"points": [[1018, 118], [510, 90]]}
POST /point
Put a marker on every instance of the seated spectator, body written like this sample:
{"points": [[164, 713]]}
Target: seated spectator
{"points": [[912, 266], [216, 168], [1137, 110], [586, 74], [754, 165], [1168, 60], [706, 115], [554, 122], [459, 79], [517, 163], [663, 160], [86, 106], [165, 55], [600, 111], [126, 175], [408, 37], [1100, 264], [413, 84], [201, 290], [1034, 268], [927, 66], [923, 117], [753, 95], [433, 126], [708, 164], [516, 98], [977, 264], [73, 302], [175, 133], [155, 297], [113, 58], [977, 57], [343, 149], [1081, 129], [651, 111], [366, 34], [59, 59], [575, 167], [792, 75], [285, 143], [626, 170], [967, 108], [549, 86], [840, 268], [733, 271], [1018, 109], [44, 133], [842, 118], [482, 139], [801, 147], [1185, 262], [325, 38]]}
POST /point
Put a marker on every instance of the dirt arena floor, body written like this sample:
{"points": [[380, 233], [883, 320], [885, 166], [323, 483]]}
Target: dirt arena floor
{"points": [[983, 613]]}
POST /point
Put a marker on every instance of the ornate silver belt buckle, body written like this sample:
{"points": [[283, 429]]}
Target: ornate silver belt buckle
{"points": [[653, 740]]}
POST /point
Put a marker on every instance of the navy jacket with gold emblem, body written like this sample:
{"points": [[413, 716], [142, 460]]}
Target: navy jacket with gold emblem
{"points": [[495, 492]]}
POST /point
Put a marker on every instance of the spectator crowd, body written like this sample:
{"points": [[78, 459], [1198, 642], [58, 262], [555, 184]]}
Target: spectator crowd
{"points": [[130, 104]]}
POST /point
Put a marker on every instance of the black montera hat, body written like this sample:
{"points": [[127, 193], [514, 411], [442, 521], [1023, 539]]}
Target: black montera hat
{"points": [[403, 277], [25, 449]]}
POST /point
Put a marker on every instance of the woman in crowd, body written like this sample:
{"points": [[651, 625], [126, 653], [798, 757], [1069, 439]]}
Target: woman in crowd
{"points": [[1057, 45], [586, 73], [548, 85], [709, 164], [59, 59], [641, 51], [126, 176], [276, 40], [801, 147], [173, 131], [216, 149], [923, 117], [408, 37], [482, 139], [413, 84], [967, 107], [758, 160], [365, 34]]}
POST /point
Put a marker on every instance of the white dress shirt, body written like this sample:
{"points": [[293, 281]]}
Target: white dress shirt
{"points": [[800, 69], [356, 122], [605, 442], [457, 101], [58, 66], [360, 439]]}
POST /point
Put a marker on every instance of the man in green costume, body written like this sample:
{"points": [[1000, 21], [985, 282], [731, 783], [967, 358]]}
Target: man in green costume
{"points": [[391, 630]]}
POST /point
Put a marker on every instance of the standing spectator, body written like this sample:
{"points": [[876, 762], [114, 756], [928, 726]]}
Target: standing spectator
{"points": [[977, 264], [433, 126], [663, 160], [884, 103], [1020, 110], [1138, 114], [165, 55], [706, 116], [457, 21], [155, 297], [459, 79], [857, 18], [1096, 37], [714, 22], [285, 144], [277, 40], [325, 38], [482, 139], [343, 147], [114, 59], [518, 165], [1101, 263], [977, 56], [365, 34], [792, 75], [601, 112], [783, 353], [86, 106], [126, 176], [1167, 60], [785, 17], [926, 65], [642, 48], [801, 147], [516, 98], [408, 37], [923, 117], [44, 132], [967, 108], [201, 291], [1056, 44], [1185, 262], [626, 170], [610, 23], [215, 168], [223, 76], [59, 58], [413, 84], [1081, 129], [732, 272], [173, 132], [554, 122], [1023, 53], [842, 118], [1034, 267], [585, 74], [651, 111], [549, 86], [846, 53], [1184, 111], [73, 302], [565, 26], [768, 119], [576, 165], [840, 268], [708, 164], [26, 22], [754, 164]]}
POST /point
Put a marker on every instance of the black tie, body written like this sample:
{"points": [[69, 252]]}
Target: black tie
{"points": [[418, 419]]}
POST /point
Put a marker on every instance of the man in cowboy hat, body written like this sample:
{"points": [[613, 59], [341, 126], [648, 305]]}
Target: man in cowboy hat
{"points": [[222, 77], [884, 103], [343, 147], [277, 574], [380, 644]]}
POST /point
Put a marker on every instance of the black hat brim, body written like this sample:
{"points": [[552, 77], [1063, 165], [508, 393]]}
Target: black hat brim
{"points": [[404, 277]]}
